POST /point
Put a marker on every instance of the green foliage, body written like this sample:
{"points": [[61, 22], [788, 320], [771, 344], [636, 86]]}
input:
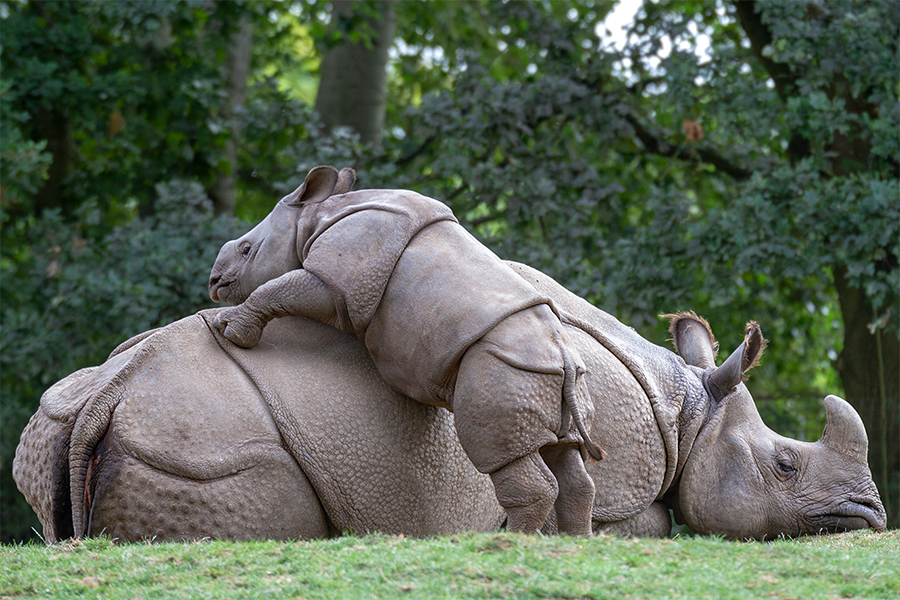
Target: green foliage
{"points": [[582, 160], [23, 162], [543, 167], [858, 565], [139, 84]]}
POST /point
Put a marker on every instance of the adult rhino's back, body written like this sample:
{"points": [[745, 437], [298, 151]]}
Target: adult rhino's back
{"points": [[196, 441]]}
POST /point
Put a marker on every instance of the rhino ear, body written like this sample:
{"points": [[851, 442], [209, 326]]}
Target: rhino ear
{"points": [[346, 179], [693, 338], [318, 185], [756, 345], [725, 378]]}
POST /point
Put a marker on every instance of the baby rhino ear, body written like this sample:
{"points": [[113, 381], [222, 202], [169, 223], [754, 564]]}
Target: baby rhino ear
{"points": [[346, 179], [318, 185]]}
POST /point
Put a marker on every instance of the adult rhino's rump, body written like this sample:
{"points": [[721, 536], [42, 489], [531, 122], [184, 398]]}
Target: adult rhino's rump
{"points": [[176, 438]]}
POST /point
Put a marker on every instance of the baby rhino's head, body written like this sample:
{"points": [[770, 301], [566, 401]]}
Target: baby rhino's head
{"points": [[269, 250]]}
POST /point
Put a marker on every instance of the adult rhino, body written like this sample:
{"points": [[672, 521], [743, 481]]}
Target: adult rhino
{"points": [[181, 435]]}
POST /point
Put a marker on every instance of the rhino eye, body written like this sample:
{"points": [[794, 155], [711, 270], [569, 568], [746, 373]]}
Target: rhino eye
{"points": [[785, 467], [244, 249]]}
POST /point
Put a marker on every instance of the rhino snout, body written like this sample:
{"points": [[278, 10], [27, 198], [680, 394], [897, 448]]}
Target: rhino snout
{"points": [[870, 510], [860, 509], [214, 284], [222, 287], [849, 516], [223, 290], [218, 272]]}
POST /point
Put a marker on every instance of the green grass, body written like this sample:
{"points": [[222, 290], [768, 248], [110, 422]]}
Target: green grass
{"points": [[854, 565]]}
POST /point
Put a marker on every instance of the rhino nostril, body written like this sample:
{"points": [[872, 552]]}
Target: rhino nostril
{"points": [[214, 287]]}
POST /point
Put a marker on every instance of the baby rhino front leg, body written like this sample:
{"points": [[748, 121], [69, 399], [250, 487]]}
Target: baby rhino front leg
{"points": [[241, 325], [296, 293]]}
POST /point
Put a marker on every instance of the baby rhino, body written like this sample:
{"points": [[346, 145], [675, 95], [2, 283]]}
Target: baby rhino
{"points": [[445, 321]]}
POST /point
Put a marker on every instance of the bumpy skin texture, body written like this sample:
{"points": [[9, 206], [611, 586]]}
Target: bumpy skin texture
{"points": [[725, 473], [182, 432], [424, 295], [239, 445], [173, 465]]}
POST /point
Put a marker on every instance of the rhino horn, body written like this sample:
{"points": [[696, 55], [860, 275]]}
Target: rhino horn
{"points": [[844, 429], [318, 185], [727, 376]]}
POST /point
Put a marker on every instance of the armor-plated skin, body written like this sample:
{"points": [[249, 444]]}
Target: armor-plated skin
{"points": [[183, 435], [446, 322]]}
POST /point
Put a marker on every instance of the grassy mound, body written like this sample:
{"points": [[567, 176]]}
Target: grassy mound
{"points": [[503, 565]]}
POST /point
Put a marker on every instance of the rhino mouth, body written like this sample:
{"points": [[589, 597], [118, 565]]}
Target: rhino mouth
{"points": [[849, 516], [215, 292], [223, 291]]}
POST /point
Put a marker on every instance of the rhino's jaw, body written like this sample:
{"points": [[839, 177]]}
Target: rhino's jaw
{"points": [[224, 279]]}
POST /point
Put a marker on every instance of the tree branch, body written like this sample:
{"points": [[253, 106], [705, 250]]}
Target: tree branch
{"points": [[412, 155], [759, 36], [655, 143], [487, 218], [781, 73]]}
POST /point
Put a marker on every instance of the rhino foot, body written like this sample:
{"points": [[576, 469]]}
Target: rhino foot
{"points": [[240, 326]]}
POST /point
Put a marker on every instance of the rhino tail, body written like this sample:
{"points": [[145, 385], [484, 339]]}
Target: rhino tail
{"points": [[91, 426], [570, 397]]}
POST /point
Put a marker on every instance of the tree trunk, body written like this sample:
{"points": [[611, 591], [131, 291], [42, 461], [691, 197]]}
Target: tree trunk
{"points": [[224, 190], [353, 80], [869, 367], [55, 126]]}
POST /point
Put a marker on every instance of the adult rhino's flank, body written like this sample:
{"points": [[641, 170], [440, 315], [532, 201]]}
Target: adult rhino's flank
{"points": [[182, 435]]}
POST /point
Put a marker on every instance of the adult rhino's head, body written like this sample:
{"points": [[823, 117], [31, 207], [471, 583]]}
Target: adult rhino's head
{"points": [[269, 250], [743, 480]]}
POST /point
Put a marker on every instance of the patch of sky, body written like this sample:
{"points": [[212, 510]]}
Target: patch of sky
{"points": [[615, 37], [430, 56]]}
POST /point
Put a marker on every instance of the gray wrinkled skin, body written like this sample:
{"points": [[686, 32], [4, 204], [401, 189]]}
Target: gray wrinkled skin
{"points": [[292, 433], [725, 472], [445, 321], [182, 435], [187, 436], [246, 445]]}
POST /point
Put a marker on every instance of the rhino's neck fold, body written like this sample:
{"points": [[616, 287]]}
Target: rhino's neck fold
{"points": [[694, 412]]}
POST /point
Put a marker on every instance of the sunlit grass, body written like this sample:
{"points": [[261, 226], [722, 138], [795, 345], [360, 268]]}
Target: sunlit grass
{"points": [[855, 565]]}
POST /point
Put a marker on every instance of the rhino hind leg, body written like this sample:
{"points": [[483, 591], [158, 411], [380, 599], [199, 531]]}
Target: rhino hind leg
{"points": [[527, 491], [144, 498], [576, 489], [41, 472], [508, 409]]}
